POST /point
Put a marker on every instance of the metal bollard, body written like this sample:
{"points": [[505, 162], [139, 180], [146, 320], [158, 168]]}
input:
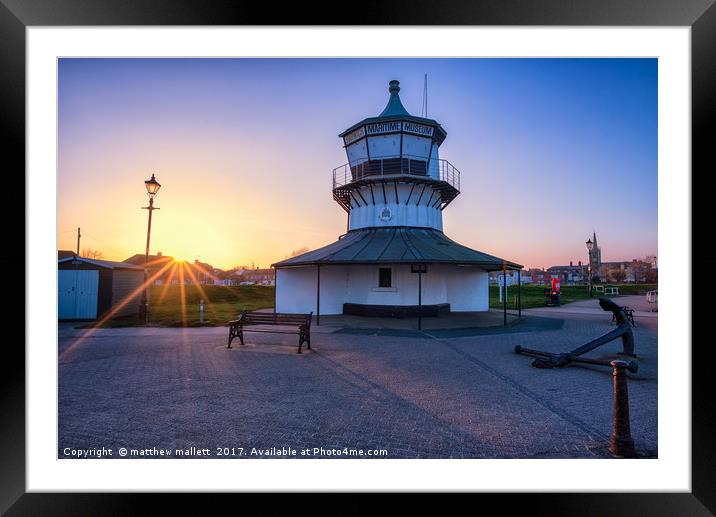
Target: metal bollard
{"points": [[201, 311], [621, 443]]}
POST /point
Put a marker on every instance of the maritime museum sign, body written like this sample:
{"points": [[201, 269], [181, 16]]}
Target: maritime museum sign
{"points": [[388, 127]]}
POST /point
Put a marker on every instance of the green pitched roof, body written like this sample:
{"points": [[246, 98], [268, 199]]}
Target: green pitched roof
{"points": [[394, 245]]}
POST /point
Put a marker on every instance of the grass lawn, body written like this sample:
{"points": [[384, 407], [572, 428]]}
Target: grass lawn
{"points": [[221, 304], [533, 295]]}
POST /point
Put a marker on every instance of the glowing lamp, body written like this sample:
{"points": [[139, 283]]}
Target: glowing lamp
{"points": [[153, 186]]}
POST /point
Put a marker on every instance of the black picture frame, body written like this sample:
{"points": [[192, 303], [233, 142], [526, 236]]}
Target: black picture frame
{"points": [[700, 15]]}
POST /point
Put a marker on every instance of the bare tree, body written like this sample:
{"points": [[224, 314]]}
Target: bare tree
{"points": [[299, 251], [618, 275], [91, 254]]}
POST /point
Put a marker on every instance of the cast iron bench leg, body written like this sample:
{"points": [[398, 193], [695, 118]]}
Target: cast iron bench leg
{"points": [[234, 332], [232, 335]]}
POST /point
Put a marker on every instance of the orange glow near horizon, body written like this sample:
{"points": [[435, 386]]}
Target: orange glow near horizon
{"points": [[237, 227], [244, 150]]}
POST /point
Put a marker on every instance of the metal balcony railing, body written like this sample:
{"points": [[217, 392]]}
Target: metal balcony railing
{"points": [[441, 170]]}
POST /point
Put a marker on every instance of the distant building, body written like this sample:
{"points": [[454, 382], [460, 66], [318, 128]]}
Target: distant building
{"points": [[634, 271], [652, 260], [567, 275], [155, 264], [63, 254], [165, 269], [495, 277], [629, 271], [203, 272], [536, 276], [257, 277]]}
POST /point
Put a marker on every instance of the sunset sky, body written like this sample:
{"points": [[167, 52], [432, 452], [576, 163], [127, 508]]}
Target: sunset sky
{"points": [[550, 150]]}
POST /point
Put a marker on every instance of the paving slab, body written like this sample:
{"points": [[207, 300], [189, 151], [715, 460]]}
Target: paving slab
{"points": [[436, 394]]}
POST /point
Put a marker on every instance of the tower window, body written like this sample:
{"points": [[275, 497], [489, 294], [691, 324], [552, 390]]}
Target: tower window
{"points": [[385, 277]]}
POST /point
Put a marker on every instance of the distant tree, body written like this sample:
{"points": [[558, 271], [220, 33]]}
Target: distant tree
{"points": [[652, 276], [596, 279], [299, 251], [618, 275], [91, 254]]}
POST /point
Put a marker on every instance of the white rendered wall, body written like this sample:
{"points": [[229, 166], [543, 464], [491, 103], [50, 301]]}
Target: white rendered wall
{"points": [[465, 288], [422, 215], [296, 289]]}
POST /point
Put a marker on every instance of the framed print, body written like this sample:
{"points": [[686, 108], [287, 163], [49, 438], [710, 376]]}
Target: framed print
{"points": [[257, 262]]}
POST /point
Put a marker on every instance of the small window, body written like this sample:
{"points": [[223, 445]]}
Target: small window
{"points": [[385, 277]]}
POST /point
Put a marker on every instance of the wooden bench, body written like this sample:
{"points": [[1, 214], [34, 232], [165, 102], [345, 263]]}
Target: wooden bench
{"points": [[629, 313], [302, 322]]}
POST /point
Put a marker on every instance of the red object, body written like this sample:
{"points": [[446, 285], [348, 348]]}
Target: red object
{"points": [[555, 285]]}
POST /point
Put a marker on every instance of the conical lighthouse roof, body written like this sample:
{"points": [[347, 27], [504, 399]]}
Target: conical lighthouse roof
{"points": [[395, 110], [394, 106]]}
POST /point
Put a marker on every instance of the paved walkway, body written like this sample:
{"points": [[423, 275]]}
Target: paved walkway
{"points": [[435, 394], [591, 307]]}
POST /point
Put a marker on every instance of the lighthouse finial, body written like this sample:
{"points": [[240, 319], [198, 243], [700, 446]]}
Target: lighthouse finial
{"points": [[394, 107]]}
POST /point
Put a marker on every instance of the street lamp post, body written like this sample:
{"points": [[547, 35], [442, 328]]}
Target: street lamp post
{"points": [[152, 186], [590, 247]]}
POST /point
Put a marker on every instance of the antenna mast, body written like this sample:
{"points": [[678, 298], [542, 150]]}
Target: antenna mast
{"points": [[424, 107], [426, 95]]}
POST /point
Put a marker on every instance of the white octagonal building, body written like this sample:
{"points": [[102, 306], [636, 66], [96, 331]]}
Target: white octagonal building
{"points": [[394, 259]]}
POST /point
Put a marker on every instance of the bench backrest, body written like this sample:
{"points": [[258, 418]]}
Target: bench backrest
{"points": [[275, 318]]}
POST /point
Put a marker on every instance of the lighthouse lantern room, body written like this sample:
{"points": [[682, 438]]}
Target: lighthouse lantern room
{"points": [[394, 188]]}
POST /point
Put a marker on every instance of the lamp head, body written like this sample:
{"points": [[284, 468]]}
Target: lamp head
{"points": [[152, 186]]}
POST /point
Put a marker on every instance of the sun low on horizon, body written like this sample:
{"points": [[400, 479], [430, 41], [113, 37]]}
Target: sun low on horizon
{"points": [[550, 150]]}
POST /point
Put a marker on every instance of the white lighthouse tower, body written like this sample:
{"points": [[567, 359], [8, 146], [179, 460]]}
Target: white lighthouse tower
{"points": [[394, 259]]}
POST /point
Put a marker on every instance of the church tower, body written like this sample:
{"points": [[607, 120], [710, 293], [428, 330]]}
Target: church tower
{"points": [[595, 255]]}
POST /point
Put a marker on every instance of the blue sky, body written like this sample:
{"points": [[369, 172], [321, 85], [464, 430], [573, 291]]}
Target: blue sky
{"points": [[549, 150]]}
